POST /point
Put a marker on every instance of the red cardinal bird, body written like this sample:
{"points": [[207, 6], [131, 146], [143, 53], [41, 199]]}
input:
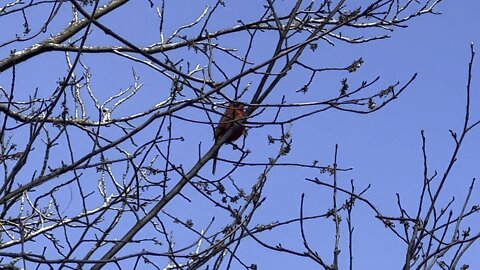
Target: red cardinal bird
{"points": [[231, 118]]}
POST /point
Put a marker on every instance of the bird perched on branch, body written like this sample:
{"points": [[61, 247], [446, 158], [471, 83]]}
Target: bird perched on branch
{"points": [[231, 119]]}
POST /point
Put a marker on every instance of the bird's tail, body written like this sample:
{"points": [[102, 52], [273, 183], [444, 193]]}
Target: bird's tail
{"points": [[214, 164]]}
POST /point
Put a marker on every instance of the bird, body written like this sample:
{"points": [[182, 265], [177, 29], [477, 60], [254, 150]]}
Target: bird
{"points": [[231, 119]]}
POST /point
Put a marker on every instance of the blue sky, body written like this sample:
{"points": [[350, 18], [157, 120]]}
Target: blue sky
{"points": [[383, 148]]}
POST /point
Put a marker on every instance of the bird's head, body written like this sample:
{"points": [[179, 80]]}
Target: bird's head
{"points": [[237, 105]]}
